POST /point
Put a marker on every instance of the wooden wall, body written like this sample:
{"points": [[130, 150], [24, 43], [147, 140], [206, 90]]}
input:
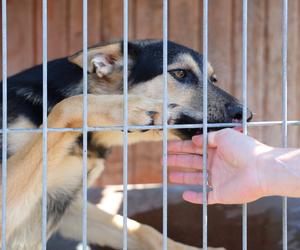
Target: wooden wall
{"points": [[185, 26]]}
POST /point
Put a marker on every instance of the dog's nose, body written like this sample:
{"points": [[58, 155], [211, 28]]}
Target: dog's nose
{"points": [[235, 112]]}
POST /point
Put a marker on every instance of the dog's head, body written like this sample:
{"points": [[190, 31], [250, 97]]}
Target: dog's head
{"points": [[145, 66]]}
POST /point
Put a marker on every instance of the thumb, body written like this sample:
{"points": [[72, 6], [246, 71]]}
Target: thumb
{"points": [[198, 139]]}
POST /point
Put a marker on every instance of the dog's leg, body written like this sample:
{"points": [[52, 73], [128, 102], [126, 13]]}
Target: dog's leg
{"points": [[24, 172], [105, 229]]}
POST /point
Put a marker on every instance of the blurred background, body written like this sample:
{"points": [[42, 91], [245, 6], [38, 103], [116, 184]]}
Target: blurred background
{"points": [[185, 27]]}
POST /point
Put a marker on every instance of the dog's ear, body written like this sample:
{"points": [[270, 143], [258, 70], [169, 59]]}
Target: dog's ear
{"points": [[104, 59]]}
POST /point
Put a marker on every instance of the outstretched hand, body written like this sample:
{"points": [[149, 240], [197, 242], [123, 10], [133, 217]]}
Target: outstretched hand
{"points": [[234, 169]]}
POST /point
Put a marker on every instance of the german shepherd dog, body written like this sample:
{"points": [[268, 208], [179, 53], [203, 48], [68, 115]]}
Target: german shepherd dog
{"points": [[105, 108]]}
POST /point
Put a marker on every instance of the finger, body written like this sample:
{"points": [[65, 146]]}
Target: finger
{"points": [[186, 178], [215, 138], [198, 140], [196, 197], [185, 161], [186, 146], [193, 197]]}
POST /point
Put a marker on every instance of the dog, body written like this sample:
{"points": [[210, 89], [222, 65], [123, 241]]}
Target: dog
{"points": [[105, 108]]}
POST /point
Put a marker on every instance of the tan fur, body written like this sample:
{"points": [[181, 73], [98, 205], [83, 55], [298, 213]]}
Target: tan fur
{"points": [[186, 61], [19, 140], [154, 89], [110, 49], [210, 70]]}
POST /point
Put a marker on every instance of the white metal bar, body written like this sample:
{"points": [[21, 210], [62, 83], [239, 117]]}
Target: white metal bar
{"points": [[4, 120], [205, 130], [140, 127], [165, 123], [125, 122], [85, 126], [284, 110], [245, 105], [45, 125]]}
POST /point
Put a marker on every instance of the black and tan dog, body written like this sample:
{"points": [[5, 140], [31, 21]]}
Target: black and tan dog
{"points": [[105, 108]]}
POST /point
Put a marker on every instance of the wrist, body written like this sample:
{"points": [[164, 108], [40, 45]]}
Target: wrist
{"points": [[277, 173], [270, 172]]}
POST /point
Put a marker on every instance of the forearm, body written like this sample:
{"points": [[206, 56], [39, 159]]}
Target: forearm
{"points": [[281, 172]]}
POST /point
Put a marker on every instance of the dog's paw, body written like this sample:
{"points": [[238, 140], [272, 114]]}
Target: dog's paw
{"points": [[144, 111]]}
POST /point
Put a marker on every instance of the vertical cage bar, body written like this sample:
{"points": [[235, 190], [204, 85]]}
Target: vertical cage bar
{"points": [[85, 126], [205, 97], [45, 125], [245, 105], [125, 122], [284, 110], [4, 121], [165, 124]]}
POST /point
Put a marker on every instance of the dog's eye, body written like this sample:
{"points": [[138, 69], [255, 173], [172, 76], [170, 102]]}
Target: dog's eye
{"points": [[179, 74]]}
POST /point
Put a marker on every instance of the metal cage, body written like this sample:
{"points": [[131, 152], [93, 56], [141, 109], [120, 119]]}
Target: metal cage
{"points": [[284, 122]]}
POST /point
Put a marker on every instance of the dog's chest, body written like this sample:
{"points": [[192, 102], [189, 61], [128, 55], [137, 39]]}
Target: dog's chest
{"points": [[65, 186], [60, 199], [68, 189]]}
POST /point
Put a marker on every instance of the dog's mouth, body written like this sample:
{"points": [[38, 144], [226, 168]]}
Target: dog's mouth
{"points": [[188, 133]]}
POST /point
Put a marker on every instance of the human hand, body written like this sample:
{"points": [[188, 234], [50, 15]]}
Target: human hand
{"points": [[234, 167]]}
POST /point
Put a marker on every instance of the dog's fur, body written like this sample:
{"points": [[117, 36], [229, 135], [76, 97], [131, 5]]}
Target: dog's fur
{"points": [[105, 108]]}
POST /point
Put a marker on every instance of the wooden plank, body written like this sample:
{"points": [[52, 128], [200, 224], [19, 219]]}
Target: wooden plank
{"points": [[256, 62], [272, 81], [75, 26], [57, 29], [220, 41], [149, 19], [297, 87], [94, 21], [293, 72], [112, 20], [20, 35], [236, 49], [184, 23], [264, 63]]}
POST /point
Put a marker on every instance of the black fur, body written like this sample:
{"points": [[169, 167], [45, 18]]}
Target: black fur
{"points": [[149, 64], [25, 90], [98, 151], [58, 203]]}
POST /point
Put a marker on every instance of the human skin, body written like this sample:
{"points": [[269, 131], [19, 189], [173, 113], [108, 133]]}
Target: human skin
{"points": [[240, 168]]}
